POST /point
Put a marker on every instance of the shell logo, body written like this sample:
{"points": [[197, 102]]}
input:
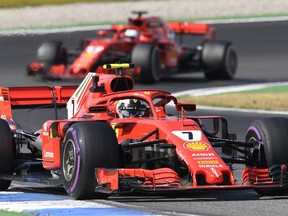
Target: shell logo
{"points": [[196, 146]]}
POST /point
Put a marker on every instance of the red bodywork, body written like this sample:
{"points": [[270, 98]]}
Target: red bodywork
{"points": [[179, 138], [112, 45]]}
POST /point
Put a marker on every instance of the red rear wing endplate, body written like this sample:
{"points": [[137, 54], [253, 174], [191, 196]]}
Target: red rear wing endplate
{"points": [[36, 95]]}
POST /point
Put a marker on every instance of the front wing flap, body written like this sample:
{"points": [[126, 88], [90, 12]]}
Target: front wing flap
{"points": [[158, 181]]}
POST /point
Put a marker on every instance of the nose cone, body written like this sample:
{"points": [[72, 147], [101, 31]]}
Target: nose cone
{"points": [[214, 176]]}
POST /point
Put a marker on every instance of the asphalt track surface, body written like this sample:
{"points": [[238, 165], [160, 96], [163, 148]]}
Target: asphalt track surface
{"points": [[262, 50]]}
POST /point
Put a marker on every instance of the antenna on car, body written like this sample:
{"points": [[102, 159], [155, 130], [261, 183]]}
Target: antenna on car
{"points": [[119, 71], [139, 13], [119, 67]]}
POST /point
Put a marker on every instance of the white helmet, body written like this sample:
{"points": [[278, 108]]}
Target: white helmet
{"points": [[131, 108], [131, 33]]}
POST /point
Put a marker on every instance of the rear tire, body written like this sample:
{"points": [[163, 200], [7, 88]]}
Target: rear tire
{"points": [[273, 135], [86, 146], [147, 57], [219, 60], [6, 154]]}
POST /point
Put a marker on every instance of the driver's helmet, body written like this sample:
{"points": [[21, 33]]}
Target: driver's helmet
{"points": [[132, 108], [131, 33]]}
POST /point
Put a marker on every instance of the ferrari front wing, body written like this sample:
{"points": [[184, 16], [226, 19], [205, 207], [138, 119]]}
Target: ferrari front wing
{"points": [[167, 181]]}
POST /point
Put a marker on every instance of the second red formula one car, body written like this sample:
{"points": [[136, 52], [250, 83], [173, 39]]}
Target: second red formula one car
{"points": [[157, 48], [117, 140]]}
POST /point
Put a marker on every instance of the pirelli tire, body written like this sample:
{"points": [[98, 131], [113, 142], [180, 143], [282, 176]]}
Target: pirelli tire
{"points": [[52, 52], [219, 59], [272, 133], [7, 154], [86, 146], [147, 57]]}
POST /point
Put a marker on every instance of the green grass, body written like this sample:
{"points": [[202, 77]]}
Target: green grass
{"points": [[276, 89], [22, 3], [6, 213], [271, 98]]}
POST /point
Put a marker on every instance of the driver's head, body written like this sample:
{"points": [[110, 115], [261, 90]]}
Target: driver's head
{"points": [[131, 33], [131, 108]]}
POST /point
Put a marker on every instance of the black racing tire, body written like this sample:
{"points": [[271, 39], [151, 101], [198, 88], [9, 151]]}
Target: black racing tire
{"points": [[147, 57], [86, 146], [273, 135], [219, 59], [52, 52], [44, 73], [7, 154]]}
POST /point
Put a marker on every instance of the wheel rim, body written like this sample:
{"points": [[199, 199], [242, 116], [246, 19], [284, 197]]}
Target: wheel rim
{"points": [[69, 160], [255, 138]]}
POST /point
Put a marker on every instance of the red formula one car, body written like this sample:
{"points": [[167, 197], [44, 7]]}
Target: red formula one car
{"points": [[157, 48], [119, 140]]}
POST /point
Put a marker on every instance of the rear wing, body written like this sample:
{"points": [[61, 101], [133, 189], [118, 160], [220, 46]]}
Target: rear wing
{"points": [[31, 97], [190, 28], [208, 31]]}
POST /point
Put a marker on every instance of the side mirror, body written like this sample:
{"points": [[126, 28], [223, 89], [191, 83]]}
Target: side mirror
{"points": [[188, 107]]}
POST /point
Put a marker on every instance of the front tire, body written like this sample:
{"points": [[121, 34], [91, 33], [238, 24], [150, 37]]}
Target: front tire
{"points": [[86, 146], [6, 154], [52, 52], [147, 57], [219, 60], [272, 133]]}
